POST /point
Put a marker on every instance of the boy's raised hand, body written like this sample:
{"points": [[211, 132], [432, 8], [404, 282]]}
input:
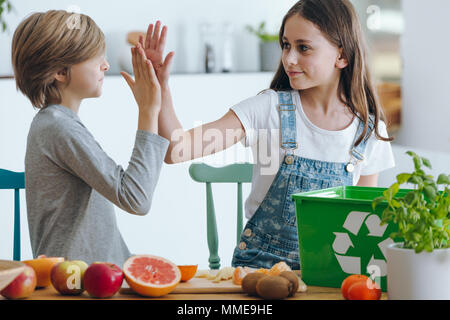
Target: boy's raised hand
{"points": [[146, 88], [155, 42]]}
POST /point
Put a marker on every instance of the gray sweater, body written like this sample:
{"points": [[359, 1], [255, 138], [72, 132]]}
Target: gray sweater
{"points": [[71, 185]]}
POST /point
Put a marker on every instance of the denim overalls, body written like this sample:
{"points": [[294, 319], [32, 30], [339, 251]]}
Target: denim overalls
{"points": [[270, 236]]}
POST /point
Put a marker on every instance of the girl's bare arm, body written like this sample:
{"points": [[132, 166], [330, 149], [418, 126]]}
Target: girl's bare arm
{"points": [[197, 142], [368, 181]]}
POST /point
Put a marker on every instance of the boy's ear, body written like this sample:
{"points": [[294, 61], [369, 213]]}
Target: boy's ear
{"points": [[341, 61], [61, 75]]}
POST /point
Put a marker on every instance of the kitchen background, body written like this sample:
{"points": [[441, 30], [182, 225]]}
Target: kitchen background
{"points": [[220, 23], [409, 60]]}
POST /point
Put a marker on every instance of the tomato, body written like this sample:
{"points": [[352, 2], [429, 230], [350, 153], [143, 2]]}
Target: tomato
{"points": [[364, 290], [351, 280]]}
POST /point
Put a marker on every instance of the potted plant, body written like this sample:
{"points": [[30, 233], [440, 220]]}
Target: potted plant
{"points": [[419, 267], [270, 51], [5, 7]]}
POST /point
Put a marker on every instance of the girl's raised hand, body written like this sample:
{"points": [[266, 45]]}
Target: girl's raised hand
{"points": [[155, 42], [146, 88]]}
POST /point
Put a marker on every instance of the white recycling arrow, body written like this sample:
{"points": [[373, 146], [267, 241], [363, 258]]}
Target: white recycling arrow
{"points": [[383, 245], [354, 221], [381, 264], [373, 224], [342, 242], [350, 265]]}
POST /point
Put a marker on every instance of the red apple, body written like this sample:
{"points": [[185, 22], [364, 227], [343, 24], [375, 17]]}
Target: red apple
{"points": [[22, 286], [103, 279], [67, 277]]}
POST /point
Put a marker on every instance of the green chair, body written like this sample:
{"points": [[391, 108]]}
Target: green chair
{"points": [[236, 173], [16, 181]]}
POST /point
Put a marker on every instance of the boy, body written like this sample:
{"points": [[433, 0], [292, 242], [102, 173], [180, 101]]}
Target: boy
{"points": [[71, 183]]}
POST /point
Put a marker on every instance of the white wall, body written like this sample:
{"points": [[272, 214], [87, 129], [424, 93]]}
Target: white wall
{"points": [[183, 18], [426, 81], [403, 164], [175, 228]]}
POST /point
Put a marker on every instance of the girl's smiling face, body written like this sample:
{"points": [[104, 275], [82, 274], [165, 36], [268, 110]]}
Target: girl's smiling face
{"points": [[309, 58]]}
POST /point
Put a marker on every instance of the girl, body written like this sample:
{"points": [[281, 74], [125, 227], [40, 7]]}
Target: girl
{"points": [[321, 117], [71, 183]]}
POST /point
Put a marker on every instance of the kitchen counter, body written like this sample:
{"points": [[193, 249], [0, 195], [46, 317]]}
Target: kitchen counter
{"points": [[313, 293]]}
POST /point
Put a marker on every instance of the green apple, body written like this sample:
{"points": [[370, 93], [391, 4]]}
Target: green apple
{"points": [[67, 277]]}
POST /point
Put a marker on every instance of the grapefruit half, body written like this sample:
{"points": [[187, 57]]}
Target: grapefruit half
{"points": [[151, 276]]}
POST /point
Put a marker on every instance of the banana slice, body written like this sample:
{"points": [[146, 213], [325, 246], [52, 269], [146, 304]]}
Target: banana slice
{"points": [[216, 276], [223, 274], [202, 274], [301, 286]]}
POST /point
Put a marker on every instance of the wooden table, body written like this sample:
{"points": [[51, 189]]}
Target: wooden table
{"points": [[313, 293], [195, 306]]}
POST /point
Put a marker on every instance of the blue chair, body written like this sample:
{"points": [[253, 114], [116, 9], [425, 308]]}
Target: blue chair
{"points": [[235, 173], [15, 181]]}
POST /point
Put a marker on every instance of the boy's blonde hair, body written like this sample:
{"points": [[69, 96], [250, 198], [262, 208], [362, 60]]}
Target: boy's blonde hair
{"points": [[48, 42]]}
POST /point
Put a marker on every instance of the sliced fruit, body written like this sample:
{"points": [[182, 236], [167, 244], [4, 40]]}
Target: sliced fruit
{"points": [[42, 266], [22, 286], [187, 272], [202, 274], [240, 273], [151, 276], [278, 268], [225, 273], [263, 270]]}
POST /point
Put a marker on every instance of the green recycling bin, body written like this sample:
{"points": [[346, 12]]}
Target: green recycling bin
{"points": [[339, 234]]}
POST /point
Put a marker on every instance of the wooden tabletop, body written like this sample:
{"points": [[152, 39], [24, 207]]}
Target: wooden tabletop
{"points": [[313, 293]]}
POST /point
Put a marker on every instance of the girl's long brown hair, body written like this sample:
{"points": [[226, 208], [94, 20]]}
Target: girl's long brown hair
{"points": [[339, 22]]}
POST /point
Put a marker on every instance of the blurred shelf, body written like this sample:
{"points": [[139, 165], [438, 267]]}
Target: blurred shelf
{"points": [[390, 96], [227, 74], [214, 73], [393, 130]]}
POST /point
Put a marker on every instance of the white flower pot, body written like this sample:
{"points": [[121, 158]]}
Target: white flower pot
{"points": [[417, 276]]}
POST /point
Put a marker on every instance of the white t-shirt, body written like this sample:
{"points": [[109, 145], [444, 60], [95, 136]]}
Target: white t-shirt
{"points": [[260, 118]]}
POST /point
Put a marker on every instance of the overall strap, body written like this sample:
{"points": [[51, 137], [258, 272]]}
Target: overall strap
{"points": [[287, 110], [357, 152]]}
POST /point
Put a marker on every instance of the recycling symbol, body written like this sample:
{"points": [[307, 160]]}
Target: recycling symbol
{"points": [[342, 243]]}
